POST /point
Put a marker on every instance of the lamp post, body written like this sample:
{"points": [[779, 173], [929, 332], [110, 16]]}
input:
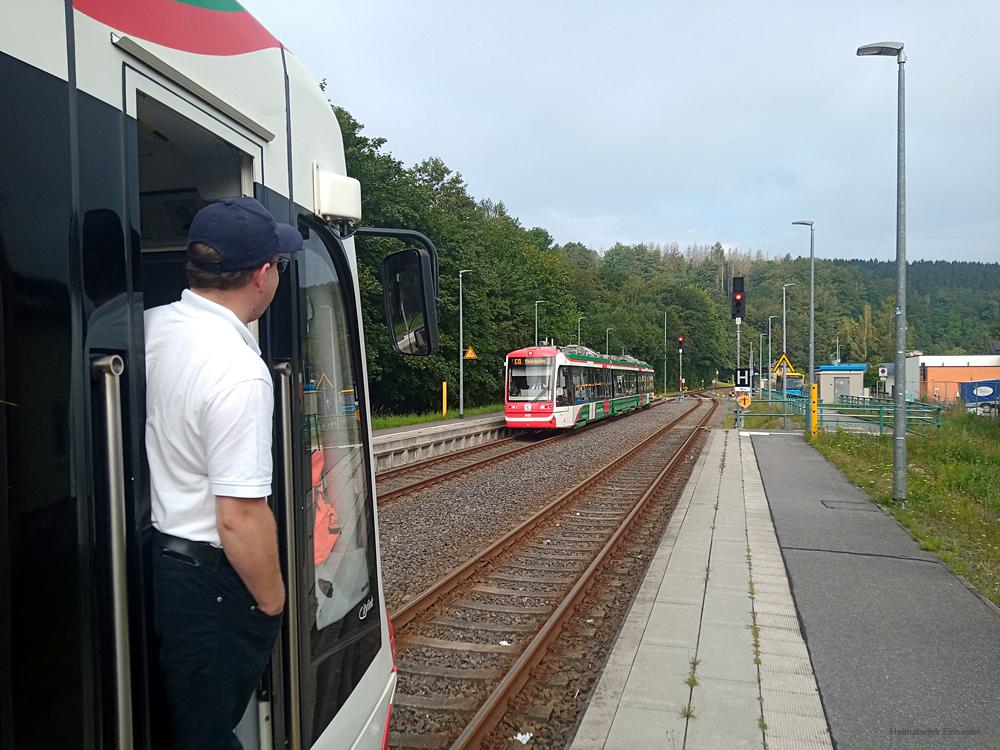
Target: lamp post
{"points": [[664, 352], [537, 303], [812, 310], [895, 49], [784, 327], [760, 367], [607, 340], [579, 318], [461, 348], [769, 319], [812, 293], [784, 353]]}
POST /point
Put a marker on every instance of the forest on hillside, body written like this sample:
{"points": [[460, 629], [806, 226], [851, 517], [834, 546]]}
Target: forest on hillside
{"points": [[648, 294]]}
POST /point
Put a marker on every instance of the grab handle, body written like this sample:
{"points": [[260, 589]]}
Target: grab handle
{"points": [[108, 370], [284, 372]]}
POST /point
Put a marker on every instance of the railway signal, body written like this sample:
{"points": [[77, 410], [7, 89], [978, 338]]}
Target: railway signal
{"points": [[680, 343], [738, 298]]}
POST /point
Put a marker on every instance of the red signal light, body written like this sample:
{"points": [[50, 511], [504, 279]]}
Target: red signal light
{"points": [[738, 295]]}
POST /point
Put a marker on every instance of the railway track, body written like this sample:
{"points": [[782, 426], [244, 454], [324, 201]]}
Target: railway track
{"points": [[405, 480], [417, 476], [466, 646]]}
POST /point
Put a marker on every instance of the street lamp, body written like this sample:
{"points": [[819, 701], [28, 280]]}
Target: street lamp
{"points": [[895, 49], [461, 348], [784, 353], [812, 307], [760, 367], [664, 352], [578, 329], [537, 303], [769, 319], [607, 339], [784, 327]]}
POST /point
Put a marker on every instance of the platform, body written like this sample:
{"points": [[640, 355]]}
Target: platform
{"points": [[852, 636], [398, 446]]}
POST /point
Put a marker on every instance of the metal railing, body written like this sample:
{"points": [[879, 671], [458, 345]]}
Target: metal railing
{"points": [[864, 414], [855, 413]]}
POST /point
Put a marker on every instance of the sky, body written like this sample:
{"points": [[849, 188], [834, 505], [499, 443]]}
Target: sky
{"points": [[692, 122]]}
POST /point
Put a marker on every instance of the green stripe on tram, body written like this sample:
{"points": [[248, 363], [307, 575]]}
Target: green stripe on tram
{"points": [[223, 6]]}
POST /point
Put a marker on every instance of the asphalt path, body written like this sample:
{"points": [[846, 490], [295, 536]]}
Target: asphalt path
{"points": [[905, 655]]}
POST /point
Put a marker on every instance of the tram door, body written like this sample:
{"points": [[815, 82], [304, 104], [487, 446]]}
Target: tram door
{"points": [[322, 499]]}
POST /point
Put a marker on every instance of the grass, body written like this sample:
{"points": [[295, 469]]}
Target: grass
{"points": [[385, 421], [752, 422], [953, 490]]}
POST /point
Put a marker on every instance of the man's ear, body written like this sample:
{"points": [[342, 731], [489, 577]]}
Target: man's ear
{"points": [[260, 276]]}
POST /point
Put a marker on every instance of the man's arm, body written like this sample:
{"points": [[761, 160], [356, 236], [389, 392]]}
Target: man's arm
{"points": [[249, 537]]}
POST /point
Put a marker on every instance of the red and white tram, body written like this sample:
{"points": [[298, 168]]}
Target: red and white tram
{"points": [[120, 120], [559, 387]]}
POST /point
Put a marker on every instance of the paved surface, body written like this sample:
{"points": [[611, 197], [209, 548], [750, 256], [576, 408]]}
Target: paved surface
{"points": [[905, 655], [716, 607]]}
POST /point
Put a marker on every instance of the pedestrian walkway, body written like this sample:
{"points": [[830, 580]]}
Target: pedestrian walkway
{"points": [[905, 654], [711, 655]]}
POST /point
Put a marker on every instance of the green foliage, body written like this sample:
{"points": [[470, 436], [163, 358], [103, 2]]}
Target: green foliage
{"points": [[648, 294]]}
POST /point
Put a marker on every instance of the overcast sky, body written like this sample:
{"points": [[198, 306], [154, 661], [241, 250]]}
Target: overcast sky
{"points": [[688, 122]]}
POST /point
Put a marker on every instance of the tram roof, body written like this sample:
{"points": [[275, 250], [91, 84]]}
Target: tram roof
{"points": [[581, 354]]}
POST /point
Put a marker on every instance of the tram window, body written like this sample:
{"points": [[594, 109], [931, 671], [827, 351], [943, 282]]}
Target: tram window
{"points": [[529, 380], [341, 629], [580, 387], [564, 386]]}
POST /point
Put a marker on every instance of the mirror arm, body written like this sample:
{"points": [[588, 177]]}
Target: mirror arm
{"points": [[404, 235]]}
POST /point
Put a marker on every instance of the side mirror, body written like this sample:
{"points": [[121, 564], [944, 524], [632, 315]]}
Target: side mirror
{"points": [[408, 292]]}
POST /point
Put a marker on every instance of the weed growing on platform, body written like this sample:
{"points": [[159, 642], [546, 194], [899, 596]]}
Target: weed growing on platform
{"points": [[953, 497]]}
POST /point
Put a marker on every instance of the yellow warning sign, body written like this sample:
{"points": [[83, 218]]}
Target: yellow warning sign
{"points": [[744, 401], [787, 362], [470, 353]]}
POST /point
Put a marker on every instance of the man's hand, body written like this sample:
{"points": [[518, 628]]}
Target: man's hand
{"points": [[249, 537]]}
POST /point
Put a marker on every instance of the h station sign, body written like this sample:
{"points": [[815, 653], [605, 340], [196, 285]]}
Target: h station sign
{"points": [[744, 379]]}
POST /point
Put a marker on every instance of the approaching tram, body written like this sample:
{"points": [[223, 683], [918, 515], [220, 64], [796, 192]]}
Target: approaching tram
{"points": [[549, 387], [120, 121]]}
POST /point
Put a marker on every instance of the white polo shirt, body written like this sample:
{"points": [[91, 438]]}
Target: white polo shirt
{"points": [[209, 409]]}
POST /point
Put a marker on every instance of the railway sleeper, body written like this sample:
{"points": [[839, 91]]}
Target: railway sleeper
{"points": [[501, 608], [447, 703], [419, 641], [453, 673], [493, 627]]}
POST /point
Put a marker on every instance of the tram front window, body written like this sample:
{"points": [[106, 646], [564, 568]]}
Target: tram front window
{"points": [[529, 379], [336, 533]]}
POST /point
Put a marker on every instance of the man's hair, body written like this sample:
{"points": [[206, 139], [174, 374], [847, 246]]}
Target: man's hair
{"points": [[199, 278]]}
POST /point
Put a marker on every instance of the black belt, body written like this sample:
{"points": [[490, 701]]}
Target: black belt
{"points": [[200, 553]]}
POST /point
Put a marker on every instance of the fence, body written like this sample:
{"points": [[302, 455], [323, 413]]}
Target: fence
{"points": [[855, 413]]}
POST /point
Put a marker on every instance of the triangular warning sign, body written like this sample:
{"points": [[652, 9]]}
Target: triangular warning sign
{"points": [[470, 353], [783, 359]]}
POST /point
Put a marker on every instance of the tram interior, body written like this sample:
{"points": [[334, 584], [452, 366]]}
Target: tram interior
{"points": [[182, 167]]}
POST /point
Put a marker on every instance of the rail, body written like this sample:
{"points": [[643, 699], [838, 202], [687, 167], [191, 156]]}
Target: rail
{"points": [[413, 615]]}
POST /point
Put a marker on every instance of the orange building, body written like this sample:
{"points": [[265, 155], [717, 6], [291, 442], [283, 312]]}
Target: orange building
{"points": [[937, 377]]}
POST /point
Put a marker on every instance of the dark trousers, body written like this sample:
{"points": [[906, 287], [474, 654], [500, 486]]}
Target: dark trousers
{"points": [[213, 644]]}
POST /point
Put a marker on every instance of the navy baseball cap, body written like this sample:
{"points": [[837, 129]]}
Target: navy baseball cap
{"points": [[243, 233]]}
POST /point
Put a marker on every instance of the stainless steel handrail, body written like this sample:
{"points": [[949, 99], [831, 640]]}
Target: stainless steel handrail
{"points": [[284, 372], [108, 370]]}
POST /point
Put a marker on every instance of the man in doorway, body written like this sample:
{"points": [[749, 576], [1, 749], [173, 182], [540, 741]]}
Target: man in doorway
{"points": [[217, 588]]}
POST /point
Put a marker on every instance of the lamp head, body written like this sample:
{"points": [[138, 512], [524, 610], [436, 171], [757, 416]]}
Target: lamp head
{"points": [[883, 49], [803, 223]]}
